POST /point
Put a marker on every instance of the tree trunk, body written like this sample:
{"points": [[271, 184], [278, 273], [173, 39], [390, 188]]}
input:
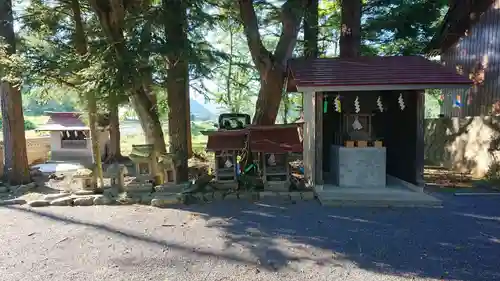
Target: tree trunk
{"points": [[178, 85], [115, 153], [150, 121], [350, 28], [16, 160], [80, 43], [311, 30], [271, 66], [269, 99]]}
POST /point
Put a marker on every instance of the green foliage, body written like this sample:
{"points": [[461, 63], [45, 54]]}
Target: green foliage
{"points": [[28, 125], [401, 27], [54, 77], [432, 105]]}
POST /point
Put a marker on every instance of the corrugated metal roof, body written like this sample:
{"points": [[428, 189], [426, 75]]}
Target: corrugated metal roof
{"points": [[280, 139], [62, 121], [270, 139], [370, 71]]}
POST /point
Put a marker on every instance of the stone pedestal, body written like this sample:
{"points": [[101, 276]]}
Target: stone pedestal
{"points": [[358, 166]]}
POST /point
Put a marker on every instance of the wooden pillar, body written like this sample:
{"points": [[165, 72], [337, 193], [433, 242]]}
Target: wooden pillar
{"points": [[309, 135], [318, 137], [420, 145]]}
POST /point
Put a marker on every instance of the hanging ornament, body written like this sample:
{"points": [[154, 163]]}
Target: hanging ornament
{"points": [[228, 163], [337, 104], [401, 102], [379, 104], [356, 125], [441, 100], [356, 105], [458, 101], [325, 106], [271, 161]]}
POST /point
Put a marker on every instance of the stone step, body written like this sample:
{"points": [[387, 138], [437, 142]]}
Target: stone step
{"points": [[376, 197]]}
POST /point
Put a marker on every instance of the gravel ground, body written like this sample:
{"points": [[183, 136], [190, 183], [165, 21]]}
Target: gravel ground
{"points": [[244, 241]]}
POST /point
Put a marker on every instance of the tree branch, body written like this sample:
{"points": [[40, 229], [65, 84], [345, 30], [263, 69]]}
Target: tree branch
{"points": [[291, 15], [251, 28]]}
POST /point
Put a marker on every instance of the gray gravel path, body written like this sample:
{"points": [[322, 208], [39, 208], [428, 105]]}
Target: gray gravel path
{"points": [[245, 241]]}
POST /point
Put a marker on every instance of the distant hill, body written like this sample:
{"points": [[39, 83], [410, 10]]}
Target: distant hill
{"points": [[200, 112]]}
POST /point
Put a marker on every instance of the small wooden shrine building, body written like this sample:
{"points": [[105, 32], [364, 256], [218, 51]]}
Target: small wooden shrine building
{"points": [[364, 117], [70, 137]]}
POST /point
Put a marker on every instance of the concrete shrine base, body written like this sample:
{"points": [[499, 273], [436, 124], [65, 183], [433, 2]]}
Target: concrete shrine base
{"points": [[396, 193]]}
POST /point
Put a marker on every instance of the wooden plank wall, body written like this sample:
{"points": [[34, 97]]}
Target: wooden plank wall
{"points": [[476, 55]]}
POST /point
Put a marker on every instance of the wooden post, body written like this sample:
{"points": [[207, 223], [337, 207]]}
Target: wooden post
{"points": [[309, 134], [318, 137]]}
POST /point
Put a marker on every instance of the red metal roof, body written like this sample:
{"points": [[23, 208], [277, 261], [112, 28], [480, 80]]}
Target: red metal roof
{"points": [[270, 139], [279, 139], [226, 140], [62, 121], [370, 71]]}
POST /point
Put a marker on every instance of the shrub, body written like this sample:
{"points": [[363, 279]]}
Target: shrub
{"points": [[28, 125]]}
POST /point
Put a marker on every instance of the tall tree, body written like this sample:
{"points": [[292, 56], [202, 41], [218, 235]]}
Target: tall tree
{"points": [[111, 15], [114, 128], [80, 43], [271, 65], [311, 29], [350, 28], [16, 161], [176, 27]]}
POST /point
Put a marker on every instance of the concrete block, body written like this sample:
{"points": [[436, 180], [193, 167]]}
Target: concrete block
{"points": [[231, 196], [139, 188], [225, 185], [307, 195], [146, 199], [165, 201], [359, 166], [171, 187], [267, 194], [200, 197], [279, 186], [245, 195], [283, 195], [218, 195], [295, 195]]}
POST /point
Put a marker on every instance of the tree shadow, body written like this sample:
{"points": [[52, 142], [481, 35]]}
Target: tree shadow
{"points": [[460, 241]]}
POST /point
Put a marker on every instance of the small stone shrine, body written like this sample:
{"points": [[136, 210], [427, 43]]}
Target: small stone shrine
{"points": [[117, 174], [166, 165], [146, 165]]}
